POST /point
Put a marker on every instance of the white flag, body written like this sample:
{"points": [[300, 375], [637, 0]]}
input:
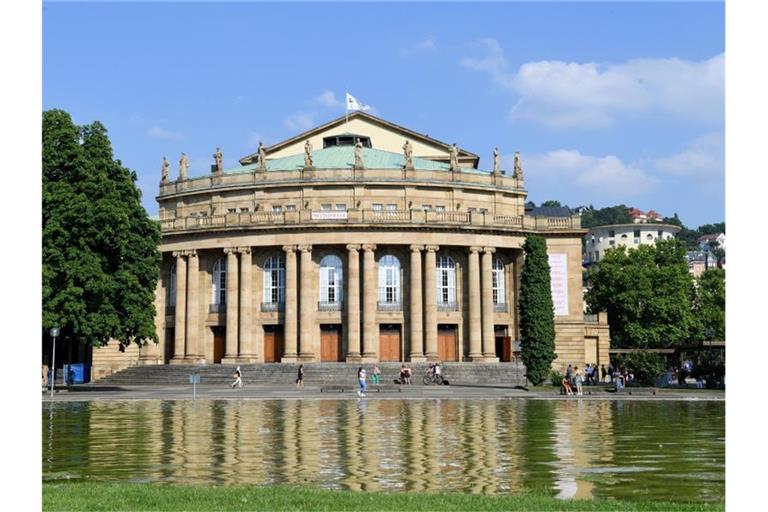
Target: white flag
{"points": [[354, 104]]}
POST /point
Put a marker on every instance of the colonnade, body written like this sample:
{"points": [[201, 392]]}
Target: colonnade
{"points": [[299, 325]]}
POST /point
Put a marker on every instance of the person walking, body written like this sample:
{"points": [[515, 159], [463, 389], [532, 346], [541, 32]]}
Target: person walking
{"points": [[569, 374], [376, 375], [300, 377], [238, 375], [603, 373], [361, 380]]}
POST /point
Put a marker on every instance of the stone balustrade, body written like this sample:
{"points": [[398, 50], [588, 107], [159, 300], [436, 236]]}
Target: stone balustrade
{"points": [[369, 217]]}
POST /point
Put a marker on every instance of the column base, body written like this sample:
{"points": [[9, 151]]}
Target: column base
{"points": [[354, 357], [289, 358], [476, 358], [230, 360], [178, 360], [148, 361], [307, 356], [432, 356], [490, 359], [418, 358], [369, 357], [247, 359]]}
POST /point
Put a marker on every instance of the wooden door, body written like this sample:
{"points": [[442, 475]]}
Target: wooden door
{"points": [[330, 343], [219, 337], [389, 343], [446, 342], [273, 343]]}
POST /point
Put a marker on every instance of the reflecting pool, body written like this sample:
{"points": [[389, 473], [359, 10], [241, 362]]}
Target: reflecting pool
{"points": [[673, 450]]}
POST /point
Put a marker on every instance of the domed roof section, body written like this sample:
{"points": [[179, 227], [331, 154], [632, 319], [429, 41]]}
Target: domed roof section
{"points": [[343, 157]]}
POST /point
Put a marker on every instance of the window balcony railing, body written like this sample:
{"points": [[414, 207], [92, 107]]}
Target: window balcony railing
{"points": [[217, 308], [272, 306], [390, 306], [500, 308], [329, 306], [447, 306]]}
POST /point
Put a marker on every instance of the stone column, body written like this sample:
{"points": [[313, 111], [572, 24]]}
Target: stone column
{"points": [[308, 301], [193, 353], [417, 333], [475, 326], [291, 302], [370, 293], [247, 353], [151, 353], [430, 303], [230, 355], [489, 338], [180, 310], [353, 304]]}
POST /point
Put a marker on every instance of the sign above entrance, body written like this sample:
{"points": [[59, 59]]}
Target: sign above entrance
{"points": [[558, 275], [329, 215]]}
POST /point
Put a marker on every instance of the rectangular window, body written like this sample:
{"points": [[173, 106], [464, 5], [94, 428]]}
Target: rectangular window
{"points": [[637, 233], [659, 233], [470, 210], [391, 207], [231, 210], [440, 208], [325, 207], [377, 207], [243, 210], [277, 209], [611, 234], [426, 207], [290, 207], [341, 207]]}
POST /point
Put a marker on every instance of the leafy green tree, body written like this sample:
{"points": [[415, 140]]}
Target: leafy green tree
{"points": [[537, 320], [647, 294], [611, 215], [551, 202], [100, 258], [645, 366], [709, 305]]}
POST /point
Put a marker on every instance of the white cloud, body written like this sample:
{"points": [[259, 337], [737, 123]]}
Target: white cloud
{"points": [[598, 174], [427, 44], [328, 99], [159, 133], [571, 94], [704, 157], [301, 121]]}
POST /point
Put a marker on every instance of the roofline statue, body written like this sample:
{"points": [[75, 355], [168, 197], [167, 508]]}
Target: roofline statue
{"points": [[454, 157], [359, 154], [408, 153], [518, 167], [218, 157], [496, 160], [183, 166], [308, 154], [262, 157], [164, 176]]}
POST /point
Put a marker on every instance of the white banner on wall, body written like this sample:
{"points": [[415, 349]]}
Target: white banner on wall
{"points": [[558, 275], [329, 215]]}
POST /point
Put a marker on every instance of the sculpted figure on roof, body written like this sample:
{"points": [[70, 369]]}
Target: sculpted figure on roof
{"points": [[262, 157], [183, 166], [496, 160], [166, 165], [408, 152], [219, 159], [307, 154], [454, 157], [518, 167], [359, 155]]}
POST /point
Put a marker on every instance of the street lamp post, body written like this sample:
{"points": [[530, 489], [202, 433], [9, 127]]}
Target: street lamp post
{"points": [[53, 332]]}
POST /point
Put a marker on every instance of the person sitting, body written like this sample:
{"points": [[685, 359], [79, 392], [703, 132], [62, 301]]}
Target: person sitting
{"points": [[566, 387], [403, 373], [408, 373]]}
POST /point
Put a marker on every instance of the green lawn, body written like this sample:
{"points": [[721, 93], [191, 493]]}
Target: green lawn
{"points": [[122, 496]]}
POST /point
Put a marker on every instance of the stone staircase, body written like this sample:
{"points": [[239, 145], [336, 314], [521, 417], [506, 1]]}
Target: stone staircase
{"points": [[315, 374]]}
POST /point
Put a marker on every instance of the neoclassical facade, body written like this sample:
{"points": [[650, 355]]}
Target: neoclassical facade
{"points": [[358, 241]]}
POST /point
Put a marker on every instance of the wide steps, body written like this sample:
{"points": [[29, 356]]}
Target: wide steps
{"points": [[315, 374]]}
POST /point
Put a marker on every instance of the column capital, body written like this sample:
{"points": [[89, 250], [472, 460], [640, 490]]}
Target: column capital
{"points": [[305, 247], [179, 254], [353, 247], [475, 248], [192, 253], [489, 250], [369, 247], [431, 248], [230, 250], [417, 248], [244, 250], [289, 248]]}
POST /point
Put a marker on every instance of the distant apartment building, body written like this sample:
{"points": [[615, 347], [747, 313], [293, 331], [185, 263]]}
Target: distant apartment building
{"points": [[601, 238], [640, 217]]}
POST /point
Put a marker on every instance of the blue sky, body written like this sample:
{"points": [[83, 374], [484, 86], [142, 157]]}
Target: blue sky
{"points": [[607, 102]]}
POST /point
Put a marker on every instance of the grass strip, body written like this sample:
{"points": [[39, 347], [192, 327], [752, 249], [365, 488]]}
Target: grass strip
{"points": [[134, 497]]}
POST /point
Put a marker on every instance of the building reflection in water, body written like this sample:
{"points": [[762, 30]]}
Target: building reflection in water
{"points": [[567, 448]]}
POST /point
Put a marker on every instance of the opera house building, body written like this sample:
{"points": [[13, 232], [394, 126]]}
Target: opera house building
{"points": [[359, 240]]}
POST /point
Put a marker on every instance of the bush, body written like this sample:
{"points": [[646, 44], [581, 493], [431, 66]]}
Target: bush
{"points": [[645, 366], [556, 377]]}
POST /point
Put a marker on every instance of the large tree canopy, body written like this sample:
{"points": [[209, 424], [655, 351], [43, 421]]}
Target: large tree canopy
{"points": [[100, 258], [647, 294], [537, 320], [709, 305]]}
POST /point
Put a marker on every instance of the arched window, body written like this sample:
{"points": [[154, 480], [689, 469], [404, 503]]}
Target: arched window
{"points": [[446, 280], [274, 280], [219, 282], [497, 276], [389, 279], [331, 279], [172, 286]]}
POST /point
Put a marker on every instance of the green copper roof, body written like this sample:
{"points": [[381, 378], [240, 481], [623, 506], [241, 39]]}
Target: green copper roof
{"points": [[343, 157]]}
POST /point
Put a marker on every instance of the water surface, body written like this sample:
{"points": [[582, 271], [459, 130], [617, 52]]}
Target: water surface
{"points": [[670, 450]]}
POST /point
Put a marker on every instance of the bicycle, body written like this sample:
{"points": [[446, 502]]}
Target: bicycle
{"points": [[431, 378]]}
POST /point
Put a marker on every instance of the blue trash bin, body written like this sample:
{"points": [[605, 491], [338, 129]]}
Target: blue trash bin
{"points": [[81, 373]]}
